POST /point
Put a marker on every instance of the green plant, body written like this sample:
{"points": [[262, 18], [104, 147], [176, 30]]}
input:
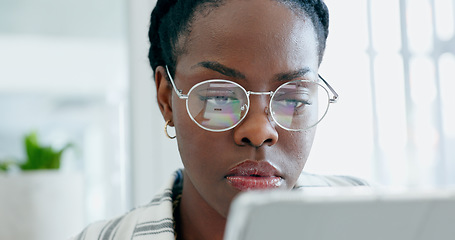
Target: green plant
{"points": [[38, 156], [5, 164]]}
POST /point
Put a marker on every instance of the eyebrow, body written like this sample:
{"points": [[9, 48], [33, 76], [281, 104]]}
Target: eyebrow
{"points": [[292, 75], [218, 67], [230, 72]]}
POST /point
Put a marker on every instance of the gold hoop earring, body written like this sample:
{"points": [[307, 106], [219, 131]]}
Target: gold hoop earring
{"points": [[165, 130]]}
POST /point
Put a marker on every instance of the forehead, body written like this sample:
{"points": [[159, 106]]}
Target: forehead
{"points": [[252, 33]]}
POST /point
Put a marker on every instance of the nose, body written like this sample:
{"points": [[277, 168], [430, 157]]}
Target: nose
{"points": [[256, 129]]}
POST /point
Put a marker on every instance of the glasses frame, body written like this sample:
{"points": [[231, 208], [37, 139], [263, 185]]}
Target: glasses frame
{"points": [[181, 95]]}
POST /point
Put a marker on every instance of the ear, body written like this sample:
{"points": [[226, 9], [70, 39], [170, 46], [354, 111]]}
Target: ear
{"points": [[164, 93]]}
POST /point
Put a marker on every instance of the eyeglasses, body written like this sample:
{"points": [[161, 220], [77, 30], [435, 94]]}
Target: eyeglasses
{"points": [[219, 105]]}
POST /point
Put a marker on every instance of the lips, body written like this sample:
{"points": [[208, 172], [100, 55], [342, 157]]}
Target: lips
{"points": [[254, 175]]}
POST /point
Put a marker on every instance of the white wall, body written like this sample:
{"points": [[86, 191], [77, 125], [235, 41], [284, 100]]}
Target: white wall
{"points": [[154, 156], [63, 73]]}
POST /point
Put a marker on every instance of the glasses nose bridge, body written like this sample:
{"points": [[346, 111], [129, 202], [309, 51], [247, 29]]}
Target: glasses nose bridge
{"points": [[249, 93], [259, 93], [269, 93]]}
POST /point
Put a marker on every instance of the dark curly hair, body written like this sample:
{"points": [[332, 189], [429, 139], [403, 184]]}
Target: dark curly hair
{"points": [[171, 21]]}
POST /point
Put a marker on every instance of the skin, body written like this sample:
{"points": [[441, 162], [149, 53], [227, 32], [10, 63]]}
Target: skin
{"points": [[260, 45]]}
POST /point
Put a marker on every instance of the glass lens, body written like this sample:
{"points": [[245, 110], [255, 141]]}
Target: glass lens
{"points": [[217, 104], [299, 105]]}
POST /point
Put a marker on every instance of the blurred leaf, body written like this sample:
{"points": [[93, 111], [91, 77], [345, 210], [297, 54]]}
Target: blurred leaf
{"points": [[41, 157], [8, 164], [4, 166]]}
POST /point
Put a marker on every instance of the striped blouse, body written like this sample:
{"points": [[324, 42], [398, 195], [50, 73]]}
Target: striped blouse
{"points": [[154, 221]]}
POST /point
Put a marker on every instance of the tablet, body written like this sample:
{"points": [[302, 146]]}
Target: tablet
{"points": [[342, 214]]}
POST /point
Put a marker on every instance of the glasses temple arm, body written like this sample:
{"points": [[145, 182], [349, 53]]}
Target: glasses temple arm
{"points": [[177, 91], [335, 94]]}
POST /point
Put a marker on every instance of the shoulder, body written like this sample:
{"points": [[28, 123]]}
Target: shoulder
{"points": [[316, 180], [154, 220]]}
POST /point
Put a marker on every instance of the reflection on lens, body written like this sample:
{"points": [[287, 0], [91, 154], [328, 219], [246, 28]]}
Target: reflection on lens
{"points": [[218, 115], [217, 104], [299, 105]]}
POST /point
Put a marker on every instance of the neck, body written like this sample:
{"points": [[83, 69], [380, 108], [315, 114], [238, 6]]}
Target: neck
{"points": [[198, 220]]}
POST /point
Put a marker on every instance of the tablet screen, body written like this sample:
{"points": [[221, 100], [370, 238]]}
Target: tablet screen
{"points": [[342, 214]]}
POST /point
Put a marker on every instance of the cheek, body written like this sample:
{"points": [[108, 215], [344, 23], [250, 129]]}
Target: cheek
{"points": [[205, 168], [295, 149], [302, 143], [197, 146], [185, 128]]}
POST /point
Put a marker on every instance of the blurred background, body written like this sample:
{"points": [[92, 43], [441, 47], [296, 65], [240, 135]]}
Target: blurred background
{"points": [[77, 71]]}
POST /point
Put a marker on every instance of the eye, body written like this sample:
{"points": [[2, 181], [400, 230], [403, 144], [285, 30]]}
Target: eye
{"points": [[293, 102], [298, 103], [217, 96], [218, 100]]}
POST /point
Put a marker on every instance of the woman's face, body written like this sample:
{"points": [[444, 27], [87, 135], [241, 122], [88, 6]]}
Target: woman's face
{"points": [[260, 45]]}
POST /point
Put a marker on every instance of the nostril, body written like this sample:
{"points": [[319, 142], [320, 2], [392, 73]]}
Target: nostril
{"points": [[246, 141]]}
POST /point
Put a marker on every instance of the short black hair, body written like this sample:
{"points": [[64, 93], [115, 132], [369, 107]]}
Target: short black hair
{"points": [[171, 20]]}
